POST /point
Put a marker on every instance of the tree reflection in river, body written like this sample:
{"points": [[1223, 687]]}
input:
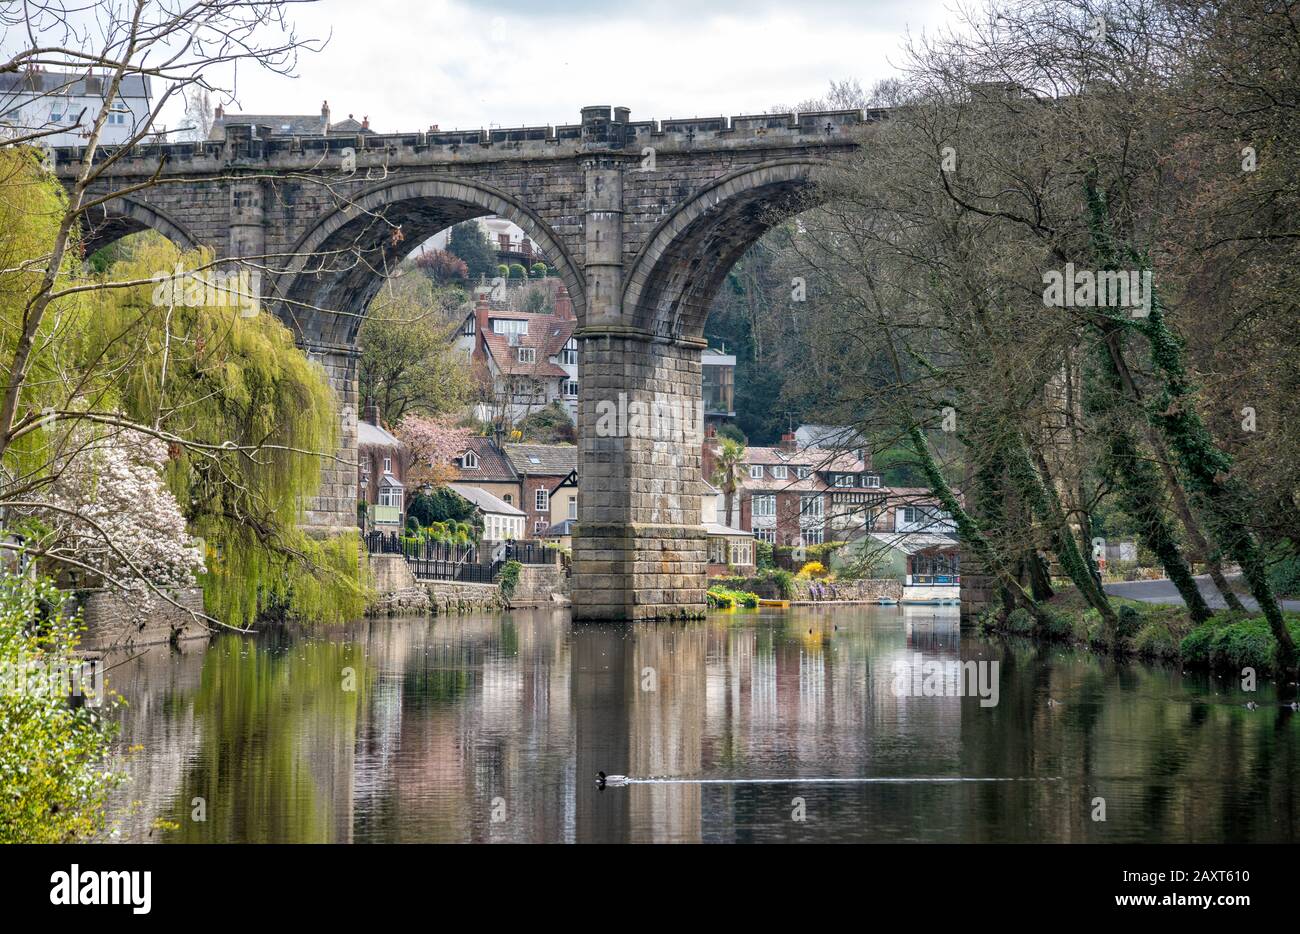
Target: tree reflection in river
{"points": [[492, 729]]}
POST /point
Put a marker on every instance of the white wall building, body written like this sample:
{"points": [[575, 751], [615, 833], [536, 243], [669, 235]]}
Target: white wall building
{"points": [[40, 101]]}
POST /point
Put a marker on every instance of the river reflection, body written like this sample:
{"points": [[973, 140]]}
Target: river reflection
{"points": [[484, 729]]}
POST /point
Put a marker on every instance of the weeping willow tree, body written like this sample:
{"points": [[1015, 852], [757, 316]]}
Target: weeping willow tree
{"points": [[158, 340], [190, 356]]}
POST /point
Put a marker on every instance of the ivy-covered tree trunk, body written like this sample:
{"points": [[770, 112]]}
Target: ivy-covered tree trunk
{"points": [[1042, 498], [1140, 487], [968, 530]]}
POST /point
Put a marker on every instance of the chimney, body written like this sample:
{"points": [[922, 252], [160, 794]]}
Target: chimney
{"points": [[433, 128], [788, 442], [709, 451], [365, 122], [325, 112], [219, 112], [370, 414], [563, 303], [482, 307]]}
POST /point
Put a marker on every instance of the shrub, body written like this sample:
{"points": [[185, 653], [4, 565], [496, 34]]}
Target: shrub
{"points": [[813, 569], [517, 271], [763, 556], [1020, 621], [1284, 573], [1232, 642], [723, 599], [509, 579], [54, 769], [503, 270], [782, 579], [538, 270], [1154, 639]]}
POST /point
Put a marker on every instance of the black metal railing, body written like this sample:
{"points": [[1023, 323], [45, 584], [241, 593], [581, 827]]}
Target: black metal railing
{"points": [[434, 560], [528, 552]]}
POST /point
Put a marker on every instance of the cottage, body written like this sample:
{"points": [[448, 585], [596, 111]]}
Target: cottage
{"points": [[381, 469]]}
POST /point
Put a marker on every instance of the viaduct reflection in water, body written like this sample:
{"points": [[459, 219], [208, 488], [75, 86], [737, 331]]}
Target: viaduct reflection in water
{"points": [[484, 729]]}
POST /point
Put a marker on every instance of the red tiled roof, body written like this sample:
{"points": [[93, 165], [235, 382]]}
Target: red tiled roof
{"points": [[815, 458], [547, 335], [493, 467]]}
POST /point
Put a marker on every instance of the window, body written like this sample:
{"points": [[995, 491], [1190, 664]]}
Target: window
{"points": [[780, 472], [540, 500], [469, 461], [813, 536], [508, 499], [741, 553], [569, 356], [765, 505], [765, 535], [527, 354], [844, 479], [871, 480], [570, 387], [388, 465], [573, 507], [390, 496], [509, 326], [803, 473], [539, 526], [756, 471], [468, 329], [717, 551], [810, 506]]}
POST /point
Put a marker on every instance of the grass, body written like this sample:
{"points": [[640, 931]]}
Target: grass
{"points": [[1152, 630]]}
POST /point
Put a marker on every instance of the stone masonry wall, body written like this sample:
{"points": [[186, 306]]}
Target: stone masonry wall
{"points": [[334, 508], [639, 550], [117, 621]]}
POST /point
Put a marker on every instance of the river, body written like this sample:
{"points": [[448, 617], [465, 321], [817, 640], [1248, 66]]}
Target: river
{"points": [[492, 729]]}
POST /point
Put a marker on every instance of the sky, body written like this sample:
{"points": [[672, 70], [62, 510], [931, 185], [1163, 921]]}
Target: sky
{"points": [[468, 65]]}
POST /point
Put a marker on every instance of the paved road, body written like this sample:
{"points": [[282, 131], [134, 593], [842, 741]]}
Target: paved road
{"points": [[1163, 591]]}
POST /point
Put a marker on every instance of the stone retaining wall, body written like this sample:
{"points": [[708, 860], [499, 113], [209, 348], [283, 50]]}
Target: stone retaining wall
{"points": [[117, 621], [538, 585], [861, 591], [398, 592]]}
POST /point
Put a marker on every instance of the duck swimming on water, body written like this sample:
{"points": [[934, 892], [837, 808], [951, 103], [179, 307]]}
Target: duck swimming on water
{"points": [[602, 779]]}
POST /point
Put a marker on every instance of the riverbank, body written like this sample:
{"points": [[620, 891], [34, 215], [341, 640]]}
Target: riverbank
{"points": [[1155, 631]]}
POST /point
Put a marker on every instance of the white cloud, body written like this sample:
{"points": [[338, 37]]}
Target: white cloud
{"points": [[408, 65]]}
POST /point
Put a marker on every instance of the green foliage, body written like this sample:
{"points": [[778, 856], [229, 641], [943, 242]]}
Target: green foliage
{"points": [[503, 270], [538, 270], [732, 433], [1020, 621], [1284, 570], [550, 424], [218, 377], [763, 559], [409, 364], [1154, 639], [54, 771], [721, 598], [509, 579], [517, 271], [470, 242], [783, 579], [429, 507], [1233, 643]]}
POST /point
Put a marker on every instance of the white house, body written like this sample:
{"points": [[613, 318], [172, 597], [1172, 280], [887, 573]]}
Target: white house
{"points": [[40, 101], [501, 521]]}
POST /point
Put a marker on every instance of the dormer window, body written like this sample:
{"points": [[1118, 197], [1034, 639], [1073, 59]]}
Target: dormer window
{"points": [[871, 480], [469, 461], [527, 355], [388, 465], [803, 473], [780, 472], [844, 479], [756, 471], [569, 356]]}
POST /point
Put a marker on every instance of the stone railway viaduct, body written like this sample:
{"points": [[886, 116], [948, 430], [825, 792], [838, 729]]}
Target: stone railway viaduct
{"points": [[642, 219]]}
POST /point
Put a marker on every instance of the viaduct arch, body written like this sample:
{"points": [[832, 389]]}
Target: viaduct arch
{"points": [[642, 219]]}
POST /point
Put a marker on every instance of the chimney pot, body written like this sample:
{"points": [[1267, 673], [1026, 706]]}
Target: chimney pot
{"points": [[787, 441]]}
